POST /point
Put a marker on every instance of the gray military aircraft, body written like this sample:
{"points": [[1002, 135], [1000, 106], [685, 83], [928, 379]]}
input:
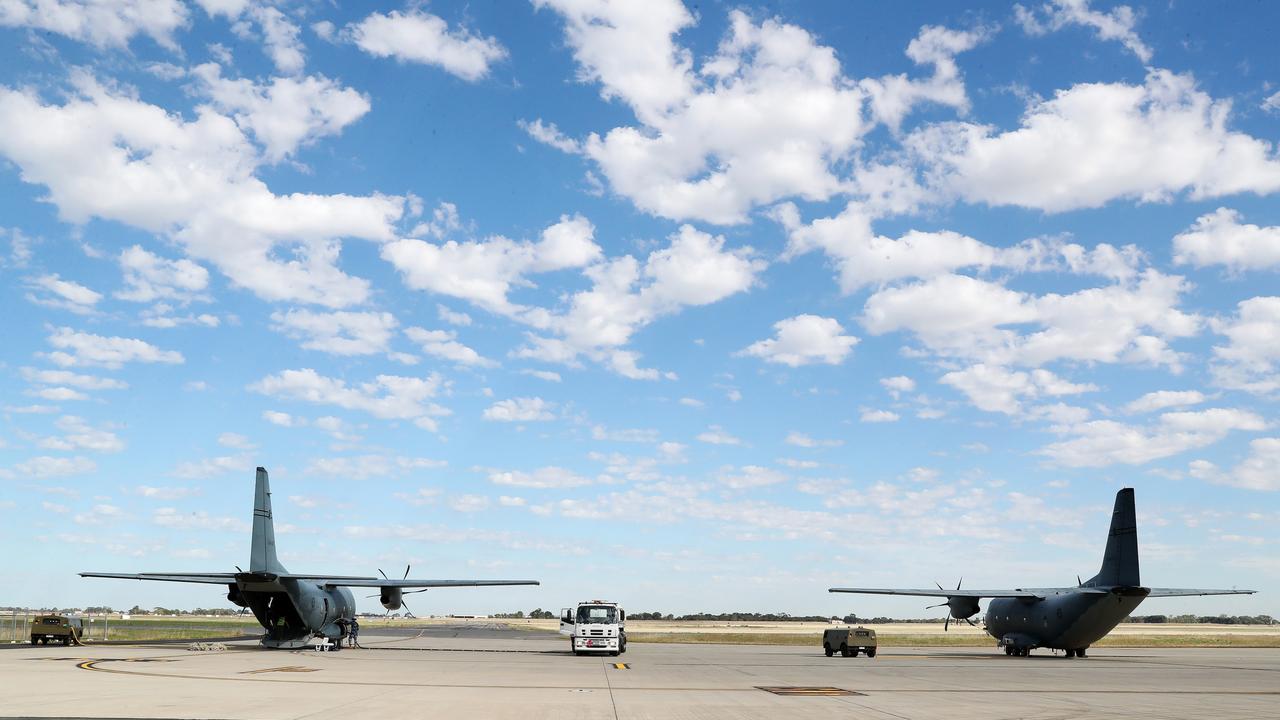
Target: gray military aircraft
{"points": [[1068, 618], [294, 608]]}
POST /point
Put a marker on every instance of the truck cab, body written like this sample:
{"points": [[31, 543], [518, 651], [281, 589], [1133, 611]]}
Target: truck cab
{"points": [[595, 627]]}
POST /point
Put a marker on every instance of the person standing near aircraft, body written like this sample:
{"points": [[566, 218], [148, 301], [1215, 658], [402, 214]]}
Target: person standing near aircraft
{"points": [[355, 633]]}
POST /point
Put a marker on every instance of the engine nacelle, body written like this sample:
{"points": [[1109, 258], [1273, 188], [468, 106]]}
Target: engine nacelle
{"points": [[235, 596], [963, 607], [391, 598]]}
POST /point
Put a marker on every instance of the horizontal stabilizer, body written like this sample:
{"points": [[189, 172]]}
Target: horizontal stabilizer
{"points": [[1191, 592], [943, 593]]}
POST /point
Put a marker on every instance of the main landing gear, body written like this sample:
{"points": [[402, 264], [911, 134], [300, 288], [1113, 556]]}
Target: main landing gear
{"points": [[1018, 651], [1078, 652]]}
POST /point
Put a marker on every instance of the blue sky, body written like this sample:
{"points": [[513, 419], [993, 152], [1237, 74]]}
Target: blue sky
{"points": [[697, 309]]}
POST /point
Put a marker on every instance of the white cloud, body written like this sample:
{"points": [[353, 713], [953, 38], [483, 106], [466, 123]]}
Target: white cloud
{"points": [[1272, 103], [172, 519], [804, 340], [79, 435], [280, 36], [870, 415], [1161, 399], [58, 394], [898, 384], [1098, 142], [1118, 24], [338, 333], [694, 270], [750, 476], [105, 24], [543, 478], [963, 317], [83, 349], [105, 154], [444, 344], [287, 114], [521, 409], [66, 377], [44, 466], [236, 441], [764, 118], [1100, 443], [1251, 358], [511, 501], [469, 503], [363, 467], [798, 464], [716, 435], [163, 493], [214, 467], [484, 272], [1259, 471], [389, 397], [998, 389], [549, 134], [421, 37], [63, 294], [460, 319], [1219, 238], [638, 435], [547, 375], [149, 277], [893, 96], [800, 439]]}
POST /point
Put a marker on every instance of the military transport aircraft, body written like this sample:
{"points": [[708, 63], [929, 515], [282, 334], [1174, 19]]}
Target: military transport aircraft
{"points": [[296, 607], [1070, 618]]}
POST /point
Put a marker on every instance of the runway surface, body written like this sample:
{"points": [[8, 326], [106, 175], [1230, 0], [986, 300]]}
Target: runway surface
{"points": [[492, 672]]}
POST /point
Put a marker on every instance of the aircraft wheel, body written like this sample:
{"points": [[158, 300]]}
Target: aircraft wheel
{"points": [[1080, 653], [825, 648], [1008, 649]]}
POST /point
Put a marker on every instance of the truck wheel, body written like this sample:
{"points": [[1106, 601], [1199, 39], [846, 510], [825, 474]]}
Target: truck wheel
{"points": [[35, 640], [853, 652], [871, 652], [827, 649], [66, 639], [844, 651]]}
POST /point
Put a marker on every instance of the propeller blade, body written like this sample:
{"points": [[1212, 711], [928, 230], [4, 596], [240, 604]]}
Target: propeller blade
{"points": [[239, 570], [1079, 582], [961, 581], [935, 582], [384, 575], [374, 595], [406, 572], [946, 624], [930, 607], [410, 592], [972, 623], [407, 611]]}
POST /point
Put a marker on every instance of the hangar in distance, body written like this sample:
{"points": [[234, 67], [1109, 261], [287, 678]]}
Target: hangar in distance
{"points": [[296, 607], [1065, 618]]}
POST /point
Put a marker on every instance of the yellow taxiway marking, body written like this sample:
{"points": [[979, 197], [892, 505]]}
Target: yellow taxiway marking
{"points": [[283, 668], [806, 691], [622, 666]]}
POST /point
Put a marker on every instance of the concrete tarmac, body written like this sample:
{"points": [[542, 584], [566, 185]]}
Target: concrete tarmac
{"points": [[491, 672]]}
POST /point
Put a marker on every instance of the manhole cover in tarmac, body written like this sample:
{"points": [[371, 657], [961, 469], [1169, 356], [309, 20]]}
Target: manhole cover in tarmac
{"points": [[811, 691]]}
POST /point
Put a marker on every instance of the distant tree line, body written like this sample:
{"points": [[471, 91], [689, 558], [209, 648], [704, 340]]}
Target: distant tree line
{"points": [[1204, 619], [536, 614]]}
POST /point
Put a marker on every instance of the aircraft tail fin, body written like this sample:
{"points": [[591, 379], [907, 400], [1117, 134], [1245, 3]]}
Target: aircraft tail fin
{"points": [[1120, 561], [262, 557]]}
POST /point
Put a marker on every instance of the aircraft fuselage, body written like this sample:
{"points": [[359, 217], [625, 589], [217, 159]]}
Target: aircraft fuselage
{"points": [[293, 611], [1067, 620]]}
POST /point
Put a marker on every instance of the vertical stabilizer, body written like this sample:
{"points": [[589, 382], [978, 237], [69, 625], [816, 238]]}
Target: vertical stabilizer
{"points": [[262, 558], [1120, 561]]}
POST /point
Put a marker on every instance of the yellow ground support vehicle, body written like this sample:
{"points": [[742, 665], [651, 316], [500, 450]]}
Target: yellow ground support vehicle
{"points": [[61, 628], [849, 641]]}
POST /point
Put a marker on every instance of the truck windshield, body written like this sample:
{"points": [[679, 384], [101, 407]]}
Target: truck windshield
{"points": [[597, 615]]}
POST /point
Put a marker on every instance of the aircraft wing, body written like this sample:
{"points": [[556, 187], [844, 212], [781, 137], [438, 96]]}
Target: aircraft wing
{"points": [[934, 592], [1188, 592], [205, 578], [410, 583]]}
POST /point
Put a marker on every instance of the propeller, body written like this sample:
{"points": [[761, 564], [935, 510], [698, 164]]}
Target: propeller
{"points": [[946, 623]]}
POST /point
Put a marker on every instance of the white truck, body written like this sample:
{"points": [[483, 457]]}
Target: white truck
{"points": [[595, 626]]}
